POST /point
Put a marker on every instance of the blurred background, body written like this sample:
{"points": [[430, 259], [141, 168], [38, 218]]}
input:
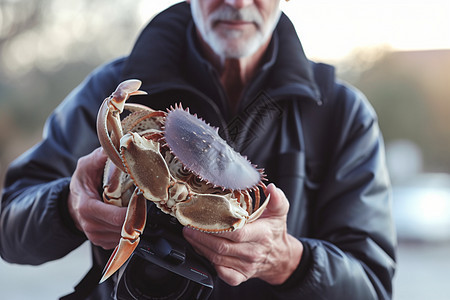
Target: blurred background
{"points": [[397, 52]]}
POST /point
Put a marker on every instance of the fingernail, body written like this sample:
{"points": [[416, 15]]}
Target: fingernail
{"points": [[273, 186], [187, 231]]}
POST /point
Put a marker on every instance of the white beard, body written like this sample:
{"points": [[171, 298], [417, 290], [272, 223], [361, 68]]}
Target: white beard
{"points": [[234, 46], [234, 43]]}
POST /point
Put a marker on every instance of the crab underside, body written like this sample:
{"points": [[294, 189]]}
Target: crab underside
{"points": [[177, 161]]}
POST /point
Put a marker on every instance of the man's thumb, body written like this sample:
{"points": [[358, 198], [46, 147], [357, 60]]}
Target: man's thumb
{"points": [[278, 204]]}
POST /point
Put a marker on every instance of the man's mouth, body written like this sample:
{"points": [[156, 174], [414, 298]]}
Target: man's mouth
{"points": [[234, 24]]}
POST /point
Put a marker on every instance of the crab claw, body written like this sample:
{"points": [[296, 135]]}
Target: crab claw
{"points": [[131, 231], [146, 166], [211, 213], [124, 91], [108, 118]]}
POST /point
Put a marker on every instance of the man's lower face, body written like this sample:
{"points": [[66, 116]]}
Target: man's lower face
{"points": [[234, 41]]}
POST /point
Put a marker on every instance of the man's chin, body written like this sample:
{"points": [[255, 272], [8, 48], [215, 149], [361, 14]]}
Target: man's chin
{"points": [[234, 48]]}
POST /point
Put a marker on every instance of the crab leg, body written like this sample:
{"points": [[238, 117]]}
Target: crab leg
{"points": [[244, 200], [132, 228], [256, 214], [117, 188], [257, 198]]}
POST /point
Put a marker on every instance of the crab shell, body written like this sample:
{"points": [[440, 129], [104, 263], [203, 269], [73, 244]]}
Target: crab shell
{"points": [[178, 162]]}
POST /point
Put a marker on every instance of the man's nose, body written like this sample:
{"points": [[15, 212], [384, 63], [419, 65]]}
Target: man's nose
{"points": [[239, 3]]}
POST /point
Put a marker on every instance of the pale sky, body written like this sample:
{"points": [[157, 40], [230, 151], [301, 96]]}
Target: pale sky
{"points": [[329, 30], [332, 29]]}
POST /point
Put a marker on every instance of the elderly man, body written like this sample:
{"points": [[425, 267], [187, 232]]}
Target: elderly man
{"points": [[327, 231]]}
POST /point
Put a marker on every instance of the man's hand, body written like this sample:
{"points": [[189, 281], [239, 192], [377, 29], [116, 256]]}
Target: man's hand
{"points": [[101, 222], [262, 249]]}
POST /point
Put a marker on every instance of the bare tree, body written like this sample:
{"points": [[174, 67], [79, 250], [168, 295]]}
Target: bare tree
{"points": [[17, 16]]}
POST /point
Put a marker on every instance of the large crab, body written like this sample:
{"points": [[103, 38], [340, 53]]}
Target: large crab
{"points": [[178, 162]]}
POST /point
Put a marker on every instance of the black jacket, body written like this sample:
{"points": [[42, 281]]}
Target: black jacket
{"points": [[317, 139]]}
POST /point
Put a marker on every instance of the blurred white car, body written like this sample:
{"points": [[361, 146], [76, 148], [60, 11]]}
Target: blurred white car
{"points": [[422, 208]]}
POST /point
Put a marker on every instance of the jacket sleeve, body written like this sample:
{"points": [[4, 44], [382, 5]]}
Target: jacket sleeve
{"points": [[35, 226], [350, 253]]}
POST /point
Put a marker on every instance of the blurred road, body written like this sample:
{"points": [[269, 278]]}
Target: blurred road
{"points": [[423, 273], [46, 282]]}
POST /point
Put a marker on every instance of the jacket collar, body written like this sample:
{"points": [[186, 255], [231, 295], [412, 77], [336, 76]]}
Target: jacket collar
{"points": [[164, 61]]}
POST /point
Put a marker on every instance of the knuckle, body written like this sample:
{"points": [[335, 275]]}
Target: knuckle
{"points": [[118, 219], [249, 269], [258, 256], [233, 281], [81, 162], [233, 278], [83, 224], [92, 238], [240, 235], [82, 208], [85, 206], [216, 259], [88, 228], [267, 240], [222, 248]]}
